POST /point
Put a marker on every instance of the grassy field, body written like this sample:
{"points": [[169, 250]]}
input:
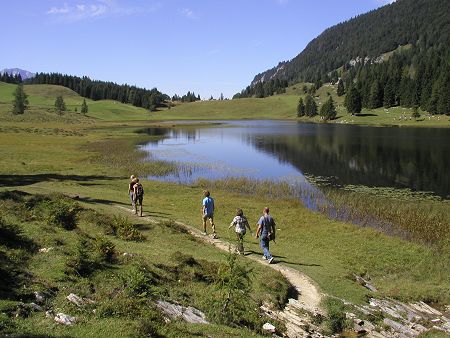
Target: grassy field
{"points": [[91, 158]]}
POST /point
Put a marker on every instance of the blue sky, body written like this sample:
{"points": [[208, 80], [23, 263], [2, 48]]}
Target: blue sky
{"points": [[206, 46]]}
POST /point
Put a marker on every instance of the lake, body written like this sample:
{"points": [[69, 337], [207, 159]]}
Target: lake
{"points": [[307, 153]]}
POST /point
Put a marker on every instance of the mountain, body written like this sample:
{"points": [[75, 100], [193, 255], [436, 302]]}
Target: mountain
{"points": [[369, 35], [24, 74], [361, 51]]}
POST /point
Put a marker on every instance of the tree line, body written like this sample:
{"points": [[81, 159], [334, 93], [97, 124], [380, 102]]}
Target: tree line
{"points": [[101, 90]]}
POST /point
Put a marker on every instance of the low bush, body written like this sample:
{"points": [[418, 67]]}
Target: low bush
{"points": [[61, 212], [126, 230], [105, 249], [137, 281]]}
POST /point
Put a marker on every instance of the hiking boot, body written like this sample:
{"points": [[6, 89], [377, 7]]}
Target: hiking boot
{"points": [[270, 260], [214, 236], [204, 233], [264, 257]]}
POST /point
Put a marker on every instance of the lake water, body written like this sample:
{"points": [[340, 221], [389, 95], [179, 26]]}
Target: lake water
{"points": [[414, 158]]}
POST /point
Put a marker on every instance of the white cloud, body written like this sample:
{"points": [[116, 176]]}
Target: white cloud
{"points": [[94, 9], [188, 13]]}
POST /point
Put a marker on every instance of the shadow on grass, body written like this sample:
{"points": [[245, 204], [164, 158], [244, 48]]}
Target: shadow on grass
{"points": [[278, 260], [21, 180], [98, 201], [15, 251], [365, 115]]}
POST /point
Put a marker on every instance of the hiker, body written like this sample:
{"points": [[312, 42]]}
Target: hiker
{"points": [[138, 195], [266, 233], [208, 212], [131, 190], [241, 224]]}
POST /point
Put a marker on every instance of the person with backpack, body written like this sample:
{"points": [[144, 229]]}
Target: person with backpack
{"points": [[241, 225], [208, 212], [131, 191], [266, 233], [138, 196]]}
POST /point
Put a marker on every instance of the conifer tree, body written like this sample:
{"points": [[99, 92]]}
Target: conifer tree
{"points": [[20, 103], [328, 110], [340, 88], [310, 106], [84, 107], [353, 101], [375, 96], [300, 108], [60, 105]]}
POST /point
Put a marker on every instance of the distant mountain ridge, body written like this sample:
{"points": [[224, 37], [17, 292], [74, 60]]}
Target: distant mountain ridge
{"points": [[24, 74], [416, 22]]}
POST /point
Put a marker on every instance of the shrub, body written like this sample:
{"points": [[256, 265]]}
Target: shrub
{"points": [[81, 263], [105, 248], [124, 229], [61, 212], [137, 281]]}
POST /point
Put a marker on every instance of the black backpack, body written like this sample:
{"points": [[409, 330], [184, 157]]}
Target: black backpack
{"points": [[139, 190]]}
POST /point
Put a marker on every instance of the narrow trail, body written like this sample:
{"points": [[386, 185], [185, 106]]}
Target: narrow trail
{"points": [[309, 296]]}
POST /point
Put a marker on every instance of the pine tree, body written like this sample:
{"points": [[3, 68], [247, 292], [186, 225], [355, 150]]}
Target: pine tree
{"points": [[389, 96], [84, 107], [353, 101], [300, 108], [60, 105], [340, 88], [415, 113], [328, 110], [376, 95], [310, 106], [20, 103]]}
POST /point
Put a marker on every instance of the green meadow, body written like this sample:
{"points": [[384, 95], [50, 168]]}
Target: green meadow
{"points": [[88, 159]]}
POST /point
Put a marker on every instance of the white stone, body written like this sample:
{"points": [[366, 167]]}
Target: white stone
{"points": [[65, 319], [269, 328]]}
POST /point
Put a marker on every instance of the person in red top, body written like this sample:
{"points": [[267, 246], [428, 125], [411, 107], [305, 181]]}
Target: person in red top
{"points": [[131, 191]]}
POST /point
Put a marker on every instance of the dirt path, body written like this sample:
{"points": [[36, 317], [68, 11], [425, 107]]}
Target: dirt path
{"points": [[309, 296]]}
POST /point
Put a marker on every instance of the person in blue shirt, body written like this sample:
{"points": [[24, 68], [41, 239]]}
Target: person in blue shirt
{"points": [[266, 233], [208, 212]]}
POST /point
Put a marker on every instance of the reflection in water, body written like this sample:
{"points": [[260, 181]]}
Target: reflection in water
{"points": [[416, 158]]}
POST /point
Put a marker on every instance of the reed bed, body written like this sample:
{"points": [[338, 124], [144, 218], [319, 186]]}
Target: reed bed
{"points": [[423, 220], [122, 156]]}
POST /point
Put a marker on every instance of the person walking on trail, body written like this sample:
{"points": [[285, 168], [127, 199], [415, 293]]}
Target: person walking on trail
{"points": [[208, 212], [131, 191], [138, 194], [241, 225], [266, 233]]}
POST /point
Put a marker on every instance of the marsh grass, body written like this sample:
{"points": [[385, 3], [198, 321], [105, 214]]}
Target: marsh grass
{"points": [[422, 220], [122, 156], [415, 217]]}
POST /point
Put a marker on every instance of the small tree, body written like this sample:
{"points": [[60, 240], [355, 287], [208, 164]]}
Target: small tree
{"points": [[415, 113], [328, 111], [300, 108], [20, 103], [84, 107], [60, 105], [310, 106]]}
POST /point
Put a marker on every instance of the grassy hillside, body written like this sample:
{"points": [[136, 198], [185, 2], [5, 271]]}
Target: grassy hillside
{"points": [[284, 106], [42, 101]]}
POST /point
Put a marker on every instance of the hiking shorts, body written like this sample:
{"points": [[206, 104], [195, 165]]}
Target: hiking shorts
{"points": [[138, 200], [210, 217]]}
